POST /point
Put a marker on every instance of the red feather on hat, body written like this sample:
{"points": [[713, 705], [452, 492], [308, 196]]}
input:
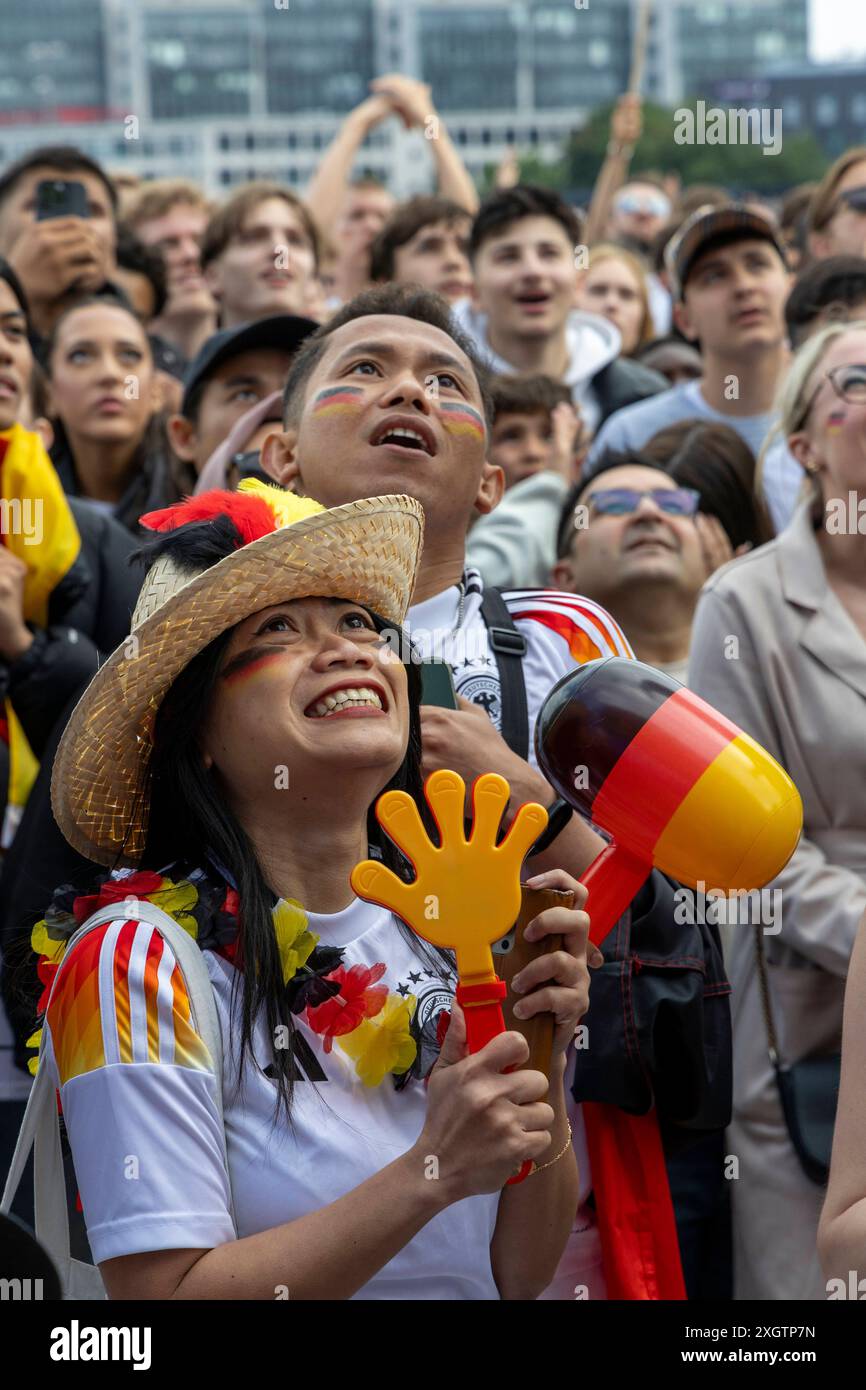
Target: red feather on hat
{"points": [[251, 515]]}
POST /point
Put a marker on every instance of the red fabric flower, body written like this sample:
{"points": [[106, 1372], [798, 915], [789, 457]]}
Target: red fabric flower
{"points": [[46, 970], [359, 998], [251, 515], [117, 890]]}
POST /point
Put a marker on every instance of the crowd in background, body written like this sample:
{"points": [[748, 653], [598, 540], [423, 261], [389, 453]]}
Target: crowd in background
{"points": [[678, 402]]}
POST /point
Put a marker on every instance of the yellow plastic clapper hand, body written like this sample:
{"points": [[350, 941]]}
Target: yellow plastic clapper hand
{"points": [[466, 893]]}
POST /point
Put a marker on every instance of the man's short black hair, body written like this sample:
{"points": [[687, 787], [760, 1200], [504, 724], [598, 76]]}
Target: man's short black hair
{"points": [[403, 301], [132, 254], [611, 458], [508, 205], [65, 158], [837, 281]]}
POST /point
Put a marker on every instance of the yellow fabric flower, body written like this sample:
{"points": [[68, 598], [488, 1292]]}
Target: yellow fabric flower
{"points": [[383, 1044], [295, 943], [177, 899], [286, 506], [35, 1040], [45, 945]]}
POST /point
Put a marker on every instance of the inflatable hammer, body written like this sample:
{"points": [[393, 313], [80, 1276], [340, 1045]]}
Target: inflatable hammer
{"points": [[676, 784]]}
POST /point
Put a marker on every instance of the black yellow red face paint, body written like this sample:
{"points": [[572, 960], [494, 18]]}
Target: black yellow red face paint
{"points": [[250, 663], [333, 400], [460, 418]]}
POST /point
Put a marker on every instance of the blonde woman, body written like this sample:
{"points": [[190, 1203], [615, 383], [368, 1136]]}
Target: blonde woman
{"points": [[779, 645], [615, 286]]}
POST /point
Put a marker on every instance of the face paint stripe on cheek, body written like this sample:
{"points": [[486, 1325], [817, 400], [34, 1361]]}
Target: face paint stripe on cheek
{"points": [[462, 419], [247, 665], [337, 398], [835, 421]]}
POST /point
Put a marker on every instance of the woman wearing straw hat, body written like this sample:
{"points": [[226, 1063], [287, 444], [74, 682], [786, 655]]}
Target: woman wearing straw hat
{"points": [[240, 737]]}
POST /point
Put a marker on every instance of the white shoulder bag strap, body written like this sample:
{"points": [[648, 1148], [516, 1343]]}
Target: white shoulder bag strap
{"points": [[40, 1129]]}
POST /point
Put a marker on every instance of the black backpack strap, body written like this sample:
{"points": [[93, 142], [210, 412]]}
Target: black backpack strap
{"points": [[509, 648]]}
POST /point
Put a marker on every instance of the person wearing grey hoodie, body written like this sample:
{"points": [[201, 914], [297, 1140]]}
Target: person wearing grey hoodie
{"points": [[524, 249]]}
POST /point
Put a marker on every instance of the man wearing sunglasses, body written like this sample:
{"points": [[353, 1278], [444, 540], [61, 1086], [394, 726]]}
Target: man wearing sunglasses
{"points": [[837, 213], [640, 210], [633, 541]]}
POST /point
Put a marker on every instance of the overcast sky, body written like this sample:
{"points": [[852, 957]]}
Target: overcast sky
{"points": [[838, 29]]}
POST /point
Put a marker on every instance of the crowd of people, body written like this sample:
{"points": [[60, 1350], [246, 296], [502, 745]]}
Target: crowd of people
{"points": [[260, 433]]}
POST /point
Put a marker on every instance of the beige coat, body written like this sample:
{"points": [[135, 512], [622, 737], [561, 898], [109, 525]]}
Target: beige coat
{"points": [[796, 681]]}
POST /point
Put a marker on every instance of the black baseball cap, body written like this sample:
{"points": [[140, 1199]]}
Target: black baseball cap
{"points": [[285, 332]]}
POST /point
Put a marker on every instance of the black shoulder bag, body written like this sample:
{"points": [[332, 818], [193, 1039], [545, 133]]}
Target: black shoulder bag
{"points": [[808, 1090]]}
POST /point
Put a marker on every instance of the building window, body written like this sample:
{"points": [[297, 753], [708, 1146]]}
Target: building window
{"points": [[770, 45], [858, 107], [826, 110]]}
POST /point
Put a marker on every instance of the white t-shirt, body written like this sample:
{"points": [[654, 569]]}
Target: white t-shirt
{"points": [[562, 631], [138, 1100]]}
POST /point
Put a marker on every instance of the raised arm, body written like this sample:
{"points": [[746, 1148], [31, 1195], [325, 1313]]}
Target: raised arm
{"points": [[626, 126], [326, 190], [412, 101]]}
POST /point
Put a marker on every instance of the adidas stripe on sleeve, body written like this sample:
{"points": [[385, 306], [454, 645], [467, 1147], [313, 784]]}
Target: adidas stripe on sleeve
{"points": [[138, 1096]]}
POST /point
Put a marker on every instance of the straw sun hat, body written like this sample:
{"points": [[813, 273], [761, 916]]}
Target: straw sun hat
{"points": [[366, 552]]}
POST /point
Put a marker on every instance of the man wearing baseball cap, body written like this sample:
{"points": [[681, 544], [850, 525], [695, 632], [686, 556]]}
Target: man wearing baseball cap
{"points": [[730, 279], [233, 370]]}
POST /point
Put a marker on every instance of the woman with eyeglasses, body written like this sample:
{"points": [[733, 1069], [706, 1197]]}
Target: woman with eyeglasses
{"points": [[780, 647]]}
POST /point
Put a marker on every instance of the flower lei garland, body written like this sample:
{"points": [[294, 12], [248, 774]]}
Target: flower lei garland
{"points": [[347, 1006]]}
